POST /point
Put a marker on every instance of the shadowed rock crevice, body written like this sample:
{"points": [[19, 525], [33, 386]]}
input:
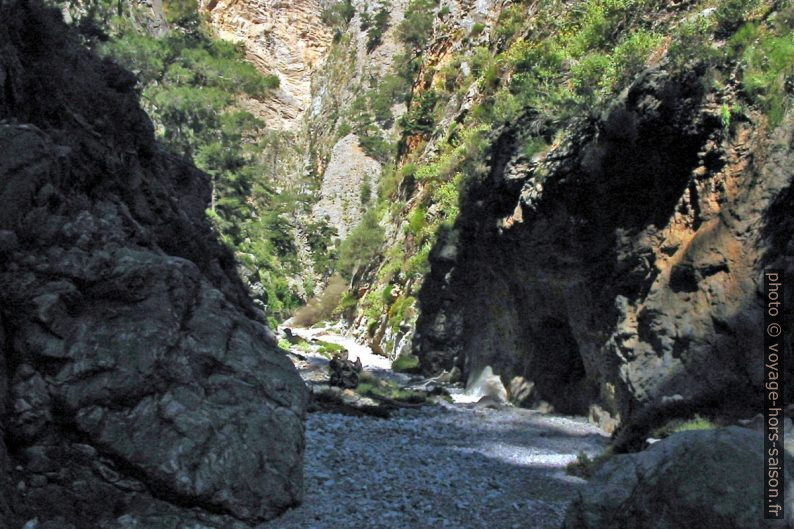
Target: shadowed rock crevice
{"points": [[138, 384], [618, 273]]}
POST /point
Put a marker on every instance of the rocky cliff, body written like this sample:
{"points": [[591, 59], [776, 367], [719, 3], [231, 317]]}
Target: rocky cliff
{"points": [[138, 384], [619, 274], [287, 39], [579, 201], [583, 202]]}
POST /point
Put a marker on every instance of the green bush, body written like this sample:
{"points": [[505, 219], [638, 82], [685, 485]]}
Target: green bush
{"points": [[692, 41], [416, 221], [631, 55], [338, 14], [180, 12], [343, 130], [375, 145], [406, 364], [390, 181], [319, 237], [769, 65], [417, 25], [509, 22], [534, 145], [420, 119], [479, 60], [449, 73], [399, 310], [380, 23], [366, 192], [374, 387], [601, 21], [590, 76], [362, 245], [683, 425], [585, 466], [347, 303], [418, 264], [733, 13]]}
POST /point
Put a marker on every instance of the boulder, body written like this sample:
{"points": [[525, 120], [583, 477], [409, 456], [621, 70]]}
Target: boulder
{"points": [[487, 384], [139, 386], [343, 372], [705, 478]]}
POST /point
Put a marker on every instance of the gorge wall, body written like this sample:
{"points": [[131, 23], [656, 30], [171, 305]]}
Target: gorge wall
{"points": [[582, 201], [138, 383], [603, 257], [287, 39], [619, 274]]}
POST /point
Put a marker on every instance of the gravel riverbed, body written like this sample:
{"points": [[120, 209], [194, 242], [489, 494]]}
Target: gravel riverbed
{"points": [[449, 466], [440, 466]]}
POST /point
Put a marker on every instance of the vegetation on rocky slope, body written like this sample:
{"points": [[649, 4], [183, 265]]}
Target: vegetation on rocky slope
{"points": [[194, 86], [559, 63]]}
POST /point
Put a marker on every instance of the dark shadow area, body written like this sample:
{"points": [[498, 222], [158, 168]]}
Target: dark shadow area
{"points": [[533, 297]]}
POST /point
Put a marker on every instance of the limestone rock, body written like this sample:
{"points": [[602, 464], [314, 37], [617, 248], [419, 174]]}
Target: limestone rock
{"points": [[139, 386], [349, 169], [486, 384], [287, 39], [706, 478]]}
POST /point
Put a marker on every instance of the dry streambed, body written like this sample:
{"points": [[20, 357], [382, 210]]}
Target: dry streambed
{"points": [[441, 465]]}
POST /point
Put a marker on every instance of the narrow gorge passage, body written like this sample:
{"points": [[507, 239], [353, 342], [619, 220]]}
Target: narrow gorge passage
{"points": [[455, 465], [524, 253]]}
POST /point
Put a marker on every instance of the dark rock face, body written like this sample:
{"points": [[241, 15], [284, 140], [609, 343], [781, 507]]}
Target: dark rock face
{"points": [[620, 274], [344, 373], [138, 385], [707, 478]]}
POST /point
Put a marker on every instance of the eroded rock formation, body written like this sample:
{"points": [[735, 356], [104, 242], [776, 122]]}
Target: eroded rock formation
{"points": [[138, 384], [620, 274], [287, 39]]}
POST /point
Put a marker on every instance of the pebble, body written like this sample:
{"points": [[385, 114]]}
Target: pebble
{"points": [[440, 466], [436, 467]]}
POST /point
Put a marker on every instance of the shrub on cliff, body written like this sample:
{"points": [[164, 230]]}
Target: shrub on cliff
{"points": [[417, 26], [380, 23], [191, 84], [361, 246], [338, 14], [420, 119]]}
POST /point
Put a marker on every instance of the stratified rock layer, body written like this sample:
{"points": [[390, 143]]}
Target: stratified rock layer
{"points": [[287, 39], [138, 385], [620, 274]]}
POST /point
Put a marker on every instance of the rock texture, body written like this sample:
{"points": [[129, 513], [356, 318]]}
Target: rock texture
{"points": [[283, 38], [138, 385], [620, 273], [706, 478], [348, 171]]}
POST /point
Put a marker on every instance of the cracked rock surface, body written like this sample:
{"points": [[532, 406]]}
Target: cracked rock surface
{"points": [[138, 385]]}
